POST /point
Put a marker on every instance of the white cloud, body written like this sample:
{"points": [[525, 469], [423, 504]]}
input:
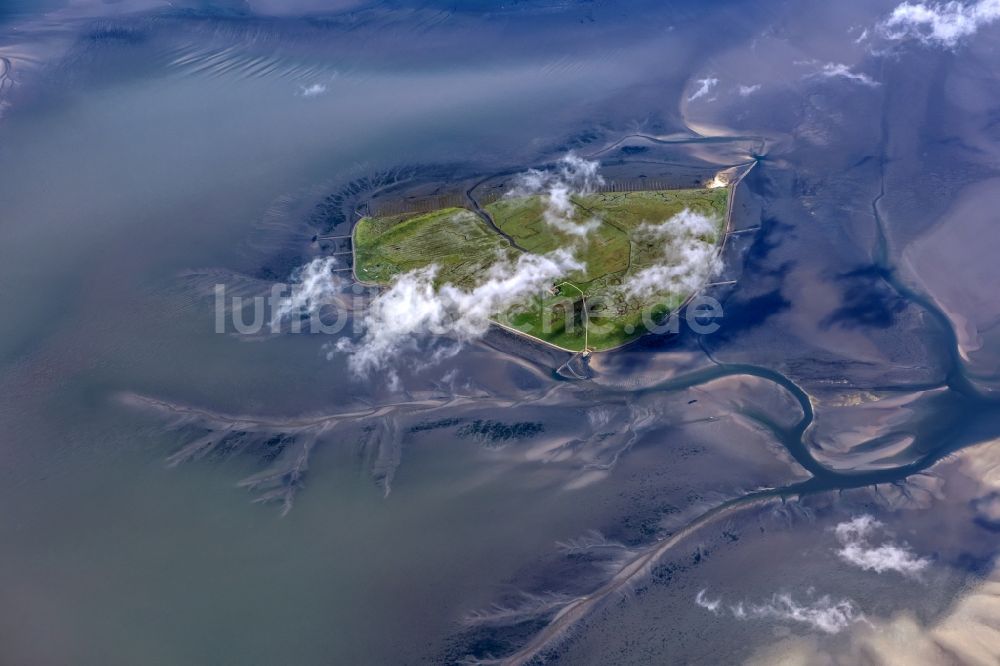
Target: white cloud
{"points": [[854, 537], [560, 213], [941, 23], [412, 307], [823, 614], [313, 90], [573, 176], [711, 605], [312, 286], [836, 70], [704, 87], [746, 91], [688, 257]]}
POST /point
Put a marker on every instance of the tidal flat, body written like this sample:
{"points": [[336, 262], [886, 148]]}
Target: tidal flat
{"points": [[179, 495]]}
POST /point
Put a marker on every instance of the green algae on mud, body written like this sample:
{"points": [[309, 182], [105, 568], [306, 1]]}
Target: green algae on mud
{"points": [[589, 309]]}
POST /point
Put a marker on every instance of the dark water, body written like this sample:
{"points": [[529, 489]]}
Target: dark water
{"points": [[175, 495]]}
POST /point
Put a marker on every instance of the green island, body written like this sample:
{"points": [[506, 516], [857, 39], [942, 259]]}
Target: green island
{"points": [[586, 310]]}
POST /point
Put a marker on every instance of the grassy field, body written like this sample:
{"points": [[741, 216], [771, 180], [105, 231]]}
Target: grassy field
{"points": [[455, 239], [463, 245]]}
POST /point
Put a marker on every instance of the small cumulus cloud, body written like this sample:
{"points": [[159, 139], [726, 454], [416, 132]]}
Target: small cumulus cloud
{"points": [[711, 605], [944, 24], [414, 307], [836, 70], [856, 548], [746, 91], [822, 614], [573, 176], [313, 90], [312, 286], [704, 87], [688, 257]]}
